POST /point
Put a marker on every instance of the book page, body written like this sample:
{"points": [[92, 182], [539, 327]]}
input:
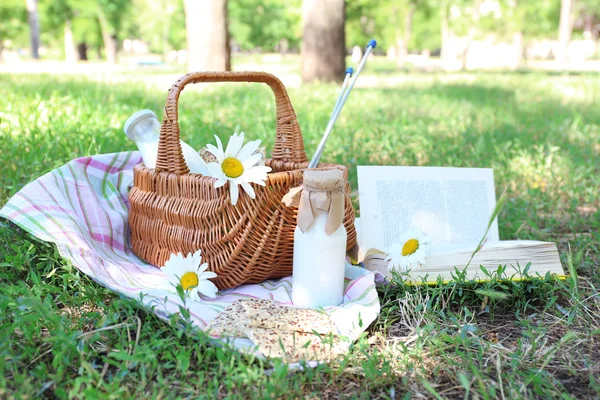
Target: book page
{"points": [[514, 255], [451, 205]]}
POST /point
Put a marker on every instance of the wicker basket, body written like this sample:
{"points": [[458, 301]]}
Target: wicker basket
{"points": [[174, 211]]}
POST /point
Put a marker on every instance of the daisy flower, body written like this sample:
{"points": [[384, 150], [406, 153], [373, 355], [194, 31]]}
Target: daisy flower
{"points": [[237, 164], [190, 274], [410, 252]]}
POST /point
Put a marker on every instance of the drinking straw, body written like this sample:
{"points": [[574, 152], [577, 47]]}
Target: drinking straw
{"points": [[337, 110]]}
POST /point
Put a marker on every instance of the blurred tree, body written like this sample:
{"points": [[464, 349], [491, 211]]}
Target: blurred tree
{"points": [[323, 40], [88, 34], [565, 29], [76, 21], [426, 28], [361, 22], [34, 27], [446, 33], [13, 22], [387, 22], [588, 18], [534, 19], [265, 24], [523, 19], [57, 16], [163, 31], [111, 15], [406, 12], [469, 19], [69, 43], [207, 35]]}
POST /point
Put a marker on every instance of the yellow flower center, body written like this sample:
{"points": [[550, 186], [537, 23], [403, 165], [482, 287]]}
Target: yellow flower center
{"points": [[410, 247], [232, 167], [189, 280]]}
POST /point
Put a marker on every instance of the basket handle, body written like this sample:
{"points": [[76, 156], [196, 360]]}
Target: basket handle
{"points": [[289, 146]]}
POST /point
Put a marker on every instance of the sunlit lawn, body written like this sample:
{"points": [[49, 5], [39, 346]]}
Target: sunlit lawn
{"points": [[541, 135]]}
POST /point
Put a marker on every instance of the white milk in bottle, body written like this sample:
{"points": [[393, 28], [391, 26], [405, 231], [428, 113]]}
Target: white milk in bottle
{"points": [[319, 239]]}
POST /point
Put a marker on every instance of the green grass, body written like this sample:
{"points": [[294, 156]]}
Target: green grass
{"points": [[62, 335]]}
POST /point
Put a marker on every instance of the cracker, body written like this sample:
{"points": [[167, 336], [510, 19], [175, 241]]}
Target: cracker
{"points": [[296, 346], [233, 321], [285, 318]]}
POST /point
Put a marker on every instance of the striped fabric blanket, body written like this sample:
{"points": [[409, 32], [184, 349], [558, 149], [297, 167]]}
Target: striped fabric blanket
{"points": [[82, 208]]}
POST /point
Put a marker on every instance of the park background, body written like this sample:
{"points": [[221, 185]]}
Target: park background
{"points": [[509, 85], [423, 34]]}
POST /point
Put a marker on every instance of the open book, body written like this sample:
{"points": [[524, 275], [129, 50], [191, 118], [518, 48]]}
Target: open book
{"points": [[453, 207]]}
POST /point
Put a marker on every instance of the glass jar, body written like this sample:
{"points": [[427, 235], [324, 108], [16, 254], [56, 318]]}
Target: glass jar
{"points": [[143, 127]]}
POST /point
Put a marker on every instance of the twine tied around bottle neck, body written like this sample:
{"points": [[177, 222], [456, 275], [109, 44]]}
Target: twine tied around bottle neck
{"points": [[322, 191]]}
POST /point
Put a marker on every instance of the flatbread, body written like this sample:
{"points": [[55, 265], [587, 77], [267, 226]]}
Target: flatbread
{"points": [[280, 331], [295, 346], [293, 319], [233, 321]]}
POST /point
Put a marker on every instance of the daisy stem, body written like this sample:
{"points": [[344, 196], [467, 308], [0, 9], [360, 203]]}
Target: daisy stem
{"points": [[339, 105]]}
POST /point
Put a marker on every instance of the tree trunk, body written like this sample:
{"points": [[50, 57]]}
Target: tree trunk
{"points": [[323, 40], [82, 51], [518, 46], [109, 38], [471, 34], [446, 55], [166, 25], [69, 44], [34, 27], [564, 29], [588, 27], [110, 48], [207, 35], [403, 41]]}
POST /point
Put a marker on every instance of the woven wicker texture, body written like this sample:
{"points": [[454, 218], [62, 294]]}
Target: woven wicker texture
{"points": [[175, 211]]}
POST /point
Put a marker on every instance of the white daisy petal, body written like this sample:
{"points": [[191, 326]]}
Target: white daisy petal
{"points": [[248, 189], [202, 268], [218, 153], [220, 182], [207, 288], [209, 275], [234, 192], [248, 149], [215, 170], [262, 169], [255, 174], [239, 144], [253, 179], [251, 161], [192, 293], [197, 256], [230, 144], [234, 146], [219, 143]]}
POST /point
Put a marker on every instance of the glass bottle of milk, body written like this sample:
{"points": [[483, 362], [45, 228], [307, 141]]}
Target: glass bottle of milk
{"points": [[143, 127], [319, 239]]}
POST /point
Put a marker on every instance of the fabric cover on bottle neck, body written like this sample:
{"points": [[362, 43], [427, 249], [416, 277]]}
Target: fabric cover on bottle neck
{"points": [[322, 191]]}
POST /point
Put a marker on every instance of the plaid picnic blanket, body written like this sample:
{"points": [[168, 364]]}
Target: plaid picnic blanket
{"points": [[82, 208]]}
